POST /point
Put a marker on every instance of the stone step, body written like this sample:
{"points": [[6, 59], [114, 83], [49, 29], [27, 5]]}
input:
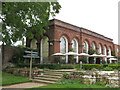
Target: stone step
{"points": [[43, 81], [52, 74], [46, 79], [49, 76]]}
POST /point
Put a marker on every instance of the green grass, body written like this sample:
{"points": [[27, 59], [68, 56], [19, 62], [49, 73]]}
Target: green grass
{"points": [[71, 84], [8, 79]]}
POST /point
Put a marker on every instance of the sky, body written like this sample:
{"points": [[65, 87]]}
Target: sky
{"points": [[100, 16]]}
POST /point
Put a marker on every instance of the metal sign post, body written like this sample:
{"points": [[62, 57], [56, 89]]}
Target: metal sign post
{"points": [[31, 55], [30, 75]]}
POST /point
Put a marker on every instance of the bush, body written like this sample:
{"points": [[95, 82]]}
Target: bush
{"points": [[94, 69], [90, 66], [66, 76], [67, 66], [42, 66], [114, 66], [107, 69], [77, 73]]}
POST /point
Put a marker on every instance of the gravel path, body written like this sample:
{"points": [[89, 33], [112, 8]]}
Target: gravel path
{"points": [[25, 85]]}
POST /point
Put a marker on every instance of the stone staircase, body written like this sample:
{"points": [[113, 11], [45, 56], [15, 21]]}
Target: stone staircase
{"points": [[51, 76]]}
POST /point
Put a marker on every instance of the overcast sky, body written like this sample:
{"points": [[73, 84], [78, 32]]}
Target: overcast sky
{"points": [[100, 16]]}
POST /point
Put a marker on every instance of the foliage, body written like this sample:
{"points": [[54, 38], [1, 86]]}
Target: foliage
{"points": [[114, 66], [84, 59], [107, 69], [17, 58], [90, 66], [101, 83], [42, 66], [91, 51], [66, 76], [12, 79], [67, 84], [71, 57], [94, 69], [113, 53], [67, 66], [77, 73], [29, 19]]}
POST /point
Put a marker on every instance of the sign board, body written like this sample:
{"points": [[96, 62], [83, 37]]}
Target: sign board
{"points": [[31, 53]]}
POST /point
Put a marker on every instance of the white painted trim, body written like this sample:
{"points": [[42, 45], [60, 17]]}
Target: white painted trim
{"points": [[41, 54], [77, 49], [66, 47]]}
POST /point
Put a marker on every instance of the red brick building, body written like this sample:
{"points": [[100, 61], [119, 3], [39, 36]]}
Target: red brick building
{"points": [[63, 36]]}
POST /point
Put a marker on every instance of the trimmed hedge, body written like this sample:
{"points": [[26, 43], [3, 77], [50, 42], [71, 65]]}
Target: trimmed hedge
{"points": [[90, 66], [114, 66], [42, 66], [67, 66]]}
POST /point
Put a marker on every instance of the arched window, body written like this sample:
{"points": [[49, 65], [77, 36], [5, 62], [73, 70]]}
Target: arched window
{"points": [[109, 51], [105, 50], [99, 49], [44, 49], [93, 46], [63, 44], [33, 44], [85, 48], [75, 45]]}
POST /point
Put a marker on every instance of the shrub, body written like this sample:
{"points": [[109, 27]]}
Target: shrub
{"points": [[114, 66], [42, 66], [77, 73], [66, 76], [90, 66], [94, 69], [107, 69], [67, 66]]}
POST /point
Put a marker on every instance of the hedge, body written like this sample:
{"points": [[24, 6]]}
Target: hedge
{"points": [[90, 66], [67, 66], [42, 66], [114, 66]]}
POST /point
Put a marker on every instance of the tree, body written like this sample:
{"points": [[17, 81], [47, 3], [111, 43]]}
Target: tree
{"points": [[29, 19]]}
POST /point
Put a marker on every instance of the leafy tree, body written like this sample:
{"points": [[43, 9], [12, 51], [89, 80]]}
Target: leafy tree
{"points": [[29, 19]]}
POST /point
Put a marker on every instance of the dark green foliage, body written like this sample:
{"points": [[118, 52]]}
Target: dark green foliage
{"points": [[91, 51], [84, 59], [42, 66], [29, 19], [90, 66], [114, 66], [17, 58], [107, 69], [66, 76], [77, 73], [113, 53], [67, 66], [71, 57]]}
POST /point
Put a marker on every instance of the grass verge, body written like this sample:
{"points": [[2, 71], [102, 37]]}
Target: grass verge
{"points": [[8, 79], [70, 84]]}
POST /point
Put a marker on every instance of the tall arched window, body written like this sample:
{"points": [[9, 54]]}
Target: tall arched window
{"points": [[93, 46], [86, 47], [109, 51], [105, 50], [75, 45], [99, 49], [33, 44], [63, 44]]}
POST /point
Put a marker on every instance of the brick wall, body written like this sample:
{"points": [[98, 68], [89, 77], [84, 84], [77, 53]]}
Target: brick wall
{"points": [[8, 52]]}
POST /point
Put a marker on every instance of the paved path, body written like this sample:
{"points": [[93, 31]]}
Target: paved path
{"points": [[25, 85]]}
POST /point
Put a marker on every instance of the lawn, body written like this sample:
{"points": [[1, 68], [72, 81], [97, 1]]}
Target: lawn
{"points": [[71, 84], [8, 79]]}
